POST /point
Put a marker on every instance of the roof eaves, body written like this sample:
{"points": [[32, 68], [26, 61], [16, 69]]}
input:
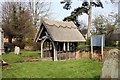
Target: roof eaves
{"points": [[37, 34]]}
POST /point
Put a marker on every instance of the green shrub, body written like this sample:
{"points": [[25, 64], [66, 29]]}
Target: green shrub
{"points": [[83, 48], [34, 45], [88, 41], [13, 58], [28, 42], [8, 47]]}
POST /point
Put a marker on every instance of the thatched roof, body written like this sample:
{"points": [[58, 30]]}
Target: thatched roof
{"points": [[62, 31]]}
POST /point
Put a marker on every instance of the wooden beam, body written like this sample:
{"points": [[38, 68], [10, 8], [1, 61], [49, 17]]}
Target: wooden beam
{"points": [[64, 47], [49, 45], [68, 46], [102, 47], [55, 51], [39, 34], [42, 49], [91, 48], [42, 46]]}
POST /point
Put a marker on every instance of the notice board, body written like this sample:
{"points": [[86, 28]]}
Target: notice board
{"points": [[98, 40]]}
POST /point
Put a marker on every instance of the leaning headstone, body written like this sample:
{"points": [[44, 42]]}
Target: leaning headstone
{"points": [[17, 50], [111, 64]]}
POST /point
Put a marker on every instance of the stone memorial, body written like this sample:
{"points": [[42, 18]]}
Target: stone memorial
{"points": [[17, 50], [111, 65]]}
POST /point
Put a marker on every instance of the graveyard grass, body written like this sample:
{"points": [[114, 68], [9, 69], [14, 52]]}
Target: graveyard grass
{"points": [[82, 68], [12, 58]]}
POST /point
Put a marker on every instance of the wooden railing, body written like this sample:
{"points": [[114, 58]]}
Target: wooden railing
{"points": [[65, 56], [61, 55]]}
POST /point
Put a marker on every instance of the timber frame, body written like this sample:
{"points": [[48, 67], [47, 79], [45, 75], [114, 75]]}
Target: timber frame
{"points": [[56, 41]]}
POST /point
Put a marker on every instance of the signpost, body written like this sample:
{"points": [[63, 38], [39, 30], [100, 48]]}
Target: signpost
{"points": [[97, 40]]}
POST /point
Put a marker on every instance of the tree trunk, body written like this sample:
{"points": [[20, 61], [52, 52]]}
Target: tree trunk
{"points": [[10, 39]]}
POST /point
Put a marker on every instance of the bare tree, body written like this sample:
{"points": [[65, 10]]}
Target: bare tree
{"points": [[39, 8], [106, 25], [16, 20]]}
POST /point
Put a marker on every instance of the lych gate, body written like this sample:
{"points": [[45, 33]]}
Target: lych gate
{"points": [[57, 37]]}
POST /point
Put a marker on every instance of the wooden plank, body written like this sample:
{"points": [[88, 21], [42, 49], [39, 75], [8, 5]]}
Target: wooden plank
{"points": [[102, 47], [41, 49], [64, 48], [68, 46], [91, 48], [55, 51], [39, 33]]}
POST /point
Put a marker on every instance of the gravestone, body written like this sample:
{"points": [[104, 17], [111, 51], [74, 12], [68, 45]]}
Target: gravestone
{"points": [[17, 50], [111, 65]]}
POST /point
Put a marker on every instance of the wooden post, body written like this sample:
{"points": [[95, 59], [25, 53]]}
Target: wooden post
{"points": [[49, 45], [55, 51], [102, 47], [41, 49], [91, 48], [68, 46], [64, 48], [42, 46]]}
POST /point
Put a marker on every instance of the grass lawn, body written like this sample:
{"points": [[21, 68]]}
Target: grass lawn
{"points": [[30, 53], [12, 58], [83, 68]]}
